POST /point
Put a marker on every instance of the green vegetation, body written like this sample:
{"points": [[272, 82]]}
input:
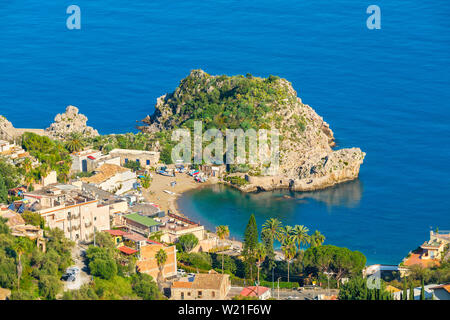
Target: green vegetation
{"points": [[28, 272], [133, 165], [188, 242], [236, 180], [10, 177], [52, 155], [33, 218], [356, 289]]}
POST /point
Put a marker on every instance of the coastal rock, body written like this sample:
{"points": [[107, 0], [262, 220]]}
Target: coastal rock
{"points": [[307, 160], [7, 130], [70, 122]]}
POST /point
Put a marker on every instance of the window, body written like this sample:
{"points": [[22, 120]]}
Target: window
{"points": [[213, 294], [182, 295], [126, 160], [148, 162], [199, 294], [137, 161], [189, 293]]}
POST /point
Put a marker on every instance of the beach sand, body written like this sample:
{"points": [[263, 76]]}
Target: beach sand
{"points": [[167, 201]]}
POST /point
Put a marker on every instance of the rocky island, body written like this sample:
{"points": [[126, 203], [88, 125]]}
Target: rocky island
{"points": [[307, 158]]}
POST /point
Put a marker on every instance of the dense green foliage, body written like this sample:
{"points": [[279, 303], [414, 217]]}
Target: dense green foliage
{"points": [[33, 218], [356, 289], [250, 244], [40, 271], [10, 177], [52, 155], [188, 242]]}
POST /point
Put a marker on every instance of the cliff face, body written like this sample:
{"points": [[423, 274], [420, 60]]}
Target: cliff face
{"points": [[307, 160], [70, 122]]}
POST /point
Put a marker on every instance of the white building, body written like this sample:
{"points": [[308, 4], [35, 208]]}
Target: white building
{"points": [[113, 179], [89, 160], [145, 158]]}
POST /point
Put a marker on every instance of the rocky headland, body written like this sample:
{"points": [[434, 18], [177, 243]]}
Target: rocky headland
{"points": [[70, 122], [307, 158]]}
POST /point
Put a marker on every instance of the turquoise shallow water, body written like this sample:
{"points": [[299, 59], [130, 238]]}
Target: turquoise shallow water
{"points": [[386, 91]]}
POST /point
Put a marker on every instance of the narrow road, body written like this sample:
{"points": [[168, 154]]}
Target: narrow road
{"points": [[83, 277]]}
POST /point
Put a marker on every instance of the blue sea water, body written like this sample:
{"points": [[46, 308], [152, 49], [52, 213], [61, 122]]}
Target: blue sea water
{"points": [[386, 91]]}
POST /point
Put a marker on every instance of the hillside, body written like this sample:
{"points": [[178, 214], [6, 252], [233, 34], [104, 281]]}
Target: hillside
{"points": [[307, 160]]}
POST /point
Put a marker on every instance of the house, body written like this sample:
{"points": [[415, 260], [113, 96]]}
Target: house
{"points": [[213, 170], [428, 293], [66, 207], [263, 293], [148, 209], [145, 250], [113, 179], [146, 159], [441, 292], [140, 224], [88, 160], [205, 286], [430, 252], [5, 146], [147, 262]]}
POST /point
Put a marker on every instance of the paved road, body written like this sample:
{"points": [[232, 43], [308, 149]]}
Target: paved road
{"points": [[83, 277]]}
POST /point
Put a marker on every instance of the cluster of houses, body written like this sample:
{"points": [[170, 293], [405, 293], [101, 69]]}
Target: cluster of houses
{"points": [[109, 200]]}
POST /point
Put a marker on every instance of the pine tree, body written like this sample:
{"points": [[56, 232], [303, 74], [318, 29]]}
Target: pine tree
{"points": [[250, 243], [405, 290], [411, 292], [422, 291]]}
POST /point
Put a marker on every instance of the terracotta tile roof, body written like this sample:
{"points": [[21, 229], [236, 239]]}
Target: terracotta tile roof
{"points": [[127, 250], [104, 172], [182, 284], [446, 287], [116, 232], [251, 291], [415, 258], [134, 237], [209, 281]]}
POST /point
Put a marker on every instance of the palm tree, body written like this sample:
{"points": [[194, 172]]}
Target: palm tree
{"points": [[260, 256], [273, 227], [285, 233], [222, 232], [44, 170], [20, 247], [317, 239], [288, 248], [27, 165], [145, 181], [75, 143], [161, 258], [300, 235], [29, 179]]}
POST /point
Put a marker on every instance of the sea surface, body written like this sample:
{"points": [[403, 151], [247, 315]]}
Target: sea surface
{"points": [[386, 91]]}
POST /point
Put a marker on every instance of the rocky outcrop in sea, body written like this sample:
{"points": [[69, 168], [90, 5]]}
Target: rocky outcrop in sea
{"points": [[308, 160], [70, 122]]}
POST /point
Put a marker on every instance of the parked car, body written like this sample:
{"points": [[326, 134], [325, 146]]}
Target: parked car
{"points": [[72, 278], [73, 270], [181, 272]]}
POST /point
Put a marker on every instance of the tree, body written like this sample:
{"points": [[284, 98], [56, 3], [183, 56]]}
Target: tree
{"points": [[188, 242], [103, 268], [222, 232], [20, 247], [33, 218], [145, 181], [422, 291], [285, 233], [272, 227], [250, 242], [161, 258], [411, 291], [49, 287], [75, 143], [144, 286], [260, 256], [317, 239], [3, 190], [300, 235], [288, 248], [405, 289]]}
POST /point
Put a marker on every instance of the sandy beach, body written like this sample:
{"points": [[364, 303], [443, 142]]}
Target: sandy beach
{"points": [[167, 201]]}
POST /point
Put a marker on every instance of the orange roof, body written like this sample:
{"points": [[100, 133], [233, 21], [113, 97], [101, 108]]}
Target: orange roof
{"points": [[446, 287], [251, 291], [182, 284], [104, 172], [415, 258], [116, 232], [127, 250]]}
